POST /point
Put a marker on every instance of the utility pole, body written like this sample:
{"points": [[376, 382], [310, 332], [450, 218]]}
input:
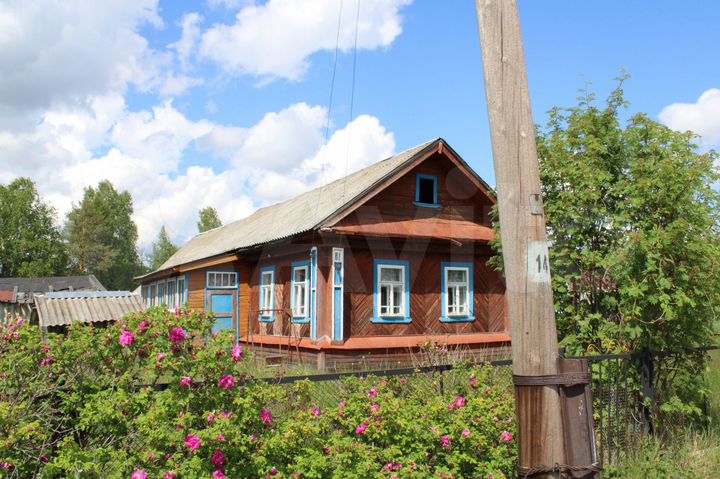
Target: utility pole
{"points": [[541, 443]]}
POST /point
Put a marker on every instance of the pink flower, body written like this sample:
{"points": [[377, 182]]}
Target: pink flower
{"points": [[139, 474], [373, 392], [360, 430], [374, 408], [237, 352], [6, 465], [127, 338], [142, 326], [225, 415], [169, 475], [160, 356], [185, 381], [506, 437], [266, 416], [445, 441], [220, 437], [459, 401], [227, 381], [273, 472], [211, 418], [218, 459], [465, 433], [193, 442], [315, 412], [219, 475], [177, 335]]}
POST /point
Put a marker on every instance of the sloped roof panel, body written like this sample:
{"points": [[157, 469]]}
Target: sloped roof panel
{"points": [[297, 215], [60, 309]]}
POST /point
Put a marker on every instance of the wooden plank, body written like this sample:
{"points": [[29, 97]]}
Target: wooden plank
{"points": [[524, 242]]}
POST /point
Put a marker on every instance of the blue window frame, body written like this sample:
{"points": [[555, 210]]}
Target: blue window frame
{"points": [[426, 191], [300, 292], [457, 293], [392, 292], [267, 295]]}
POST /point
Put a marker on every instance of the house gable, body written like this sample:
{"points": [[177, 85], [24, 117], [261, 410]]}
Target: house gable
{"points": [[435, 196]]}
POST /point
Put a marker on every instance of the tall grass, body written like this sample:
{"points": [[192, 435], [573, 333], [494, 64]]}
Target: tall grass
{"points": [[686, 453]]}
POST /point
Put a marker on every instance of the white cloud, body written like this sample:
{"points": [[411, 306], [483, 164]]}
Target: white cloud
{"points": [[65, 51], [144, 152], [275, 39], [185, 47], [701, 117]]}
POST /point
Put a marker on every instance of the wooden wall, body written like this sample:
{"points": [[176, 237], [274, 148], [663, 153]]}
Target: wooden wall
{"points": [[459, 198], [281, 258], [425, 294], [196, 289]]}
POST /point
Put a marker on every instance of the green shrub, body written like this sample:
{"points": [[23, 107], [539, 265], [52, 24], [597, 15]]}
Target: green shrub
{"points": [[158, 396]]}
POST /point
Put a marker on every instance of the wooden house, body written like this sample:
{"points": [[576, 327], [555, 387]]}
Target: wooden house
{"points": [[372, 265]]}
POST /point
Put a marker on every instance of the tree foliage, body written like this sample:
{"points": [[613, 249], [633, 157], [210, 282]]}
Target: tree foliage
{"points": [[102, 236], [30, 244], [208, 219], [162, 249], [633, 225]]}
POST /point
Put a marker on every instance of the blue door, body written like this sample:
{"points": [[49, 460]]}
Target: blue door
{"points": [[222, 305]]}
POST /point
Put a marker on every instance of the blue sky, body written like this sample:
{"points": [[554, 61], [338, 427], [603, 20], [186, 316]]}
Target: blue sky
{"points": [[225, 102]]}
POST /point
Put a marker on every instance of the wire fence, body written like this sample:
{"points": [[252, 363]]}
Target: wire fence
{"points": [[624, 399]]}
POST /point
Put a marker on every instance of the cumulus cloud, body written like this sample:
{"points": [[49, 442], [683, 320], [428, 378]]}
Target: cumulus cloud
{"points": [[143, 151], [701, 117], [62, 51], [275, 39]]}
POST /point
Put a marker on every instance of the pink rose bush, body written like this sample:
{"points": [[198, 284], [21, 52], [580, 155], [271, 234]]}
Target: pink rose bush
{"points": [[175, 408]]}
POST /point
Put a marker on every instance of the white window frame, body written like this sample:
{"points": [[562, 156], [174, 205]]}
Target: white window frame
{"points": [[171, 294], [180, 291], [305, 285], [451, 310], [392, 285], [265, 288], [161, 297], [227, 280]]}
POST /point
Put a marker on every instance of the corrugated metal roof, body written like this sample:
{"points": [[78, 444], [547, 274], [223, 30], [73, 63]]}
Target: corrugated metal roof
{"points": [[60, 309], [297, 215], [52, 283]]}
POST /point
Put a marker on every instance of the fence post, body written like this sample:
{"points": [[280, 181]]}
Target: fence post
{"points": [[647, 378]]}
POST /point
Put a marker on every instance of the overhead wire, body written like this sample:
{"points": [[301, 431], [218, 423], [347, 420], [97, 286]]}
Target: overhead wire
{"points": [[352, 100], [329, 113]]}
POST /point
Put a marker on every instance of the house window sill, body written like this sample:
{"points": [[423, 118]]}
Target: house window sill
{"points": [[427, 205], [300, 320], [266, 320], [457, 319], [391, 320]]}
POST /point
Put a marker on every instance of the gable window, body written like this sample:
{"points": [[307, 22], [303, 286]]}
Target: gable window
{"points": [[221, 279], [392, 292], [457, 294], [299, 294], [267, 294], [171, 293], [426, 192]]}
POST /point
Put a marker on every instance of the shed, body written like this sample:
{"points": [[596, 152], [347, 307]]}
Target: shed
{"points": [[64, 308]]}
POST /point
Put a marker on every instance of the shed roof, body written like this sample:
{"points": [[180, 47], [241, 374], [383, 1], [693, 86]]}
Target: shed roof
{"points": [[60, 309], [52, 283], [306, 212]]}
